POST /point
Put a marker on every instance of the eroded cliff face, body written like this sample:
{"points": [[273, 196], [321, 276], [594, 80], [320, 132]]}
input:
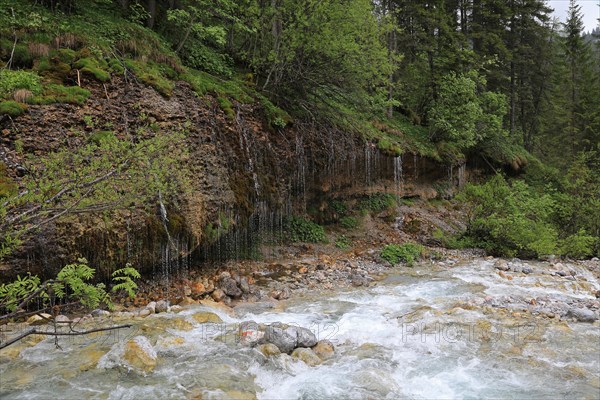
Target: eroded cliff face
{"points": [[247, 177]]}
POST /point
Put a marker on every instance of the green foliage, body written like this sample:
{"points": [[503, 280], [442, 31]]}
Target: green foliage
{"points": [[378, 202], [516, 225], [348, 222], [72, 284], [342, 242], [303, 230], [12, 108], [98, 137], [94, 67], [124, 280], [7, 186], [10, 81], [227, 107], [155, 75], [53, 93], [463, 114], [407, 252], [579, 245], [338, 207], [99, 178], [12, 294]]}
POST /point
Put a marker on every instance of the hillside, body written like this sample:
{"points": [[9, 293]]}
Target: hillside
{"points": [[198, 129]]}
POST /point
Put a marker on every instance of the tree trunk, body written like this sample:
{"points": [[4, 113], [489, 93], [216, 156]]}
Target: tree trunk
{"points": [[152, 14]]}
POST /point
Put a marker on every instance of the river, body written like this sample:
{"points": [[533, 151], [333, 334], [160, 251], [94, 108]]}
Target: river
{"points": [[441, 330]]}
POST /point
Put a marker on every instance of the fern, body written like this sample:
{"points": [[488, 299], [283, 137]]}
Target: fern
{"points": [[71, 283], [125, 277], [12, 294]]}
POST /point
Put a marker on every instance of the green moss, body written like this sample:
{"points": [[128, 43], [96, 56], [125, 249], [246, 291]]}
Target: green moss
{"points": [[66, 55], [203, 83], [93, 66], [226, 106], [154, 75], [12, 108], [115, 66], [21, 56], [52, 69], [61, 94], [389, 147], [276, 117]]}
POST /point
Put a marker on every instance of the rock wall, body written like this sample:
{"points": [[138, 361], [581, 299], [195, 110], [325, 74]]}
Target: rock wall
{"points": [[247, 177]]}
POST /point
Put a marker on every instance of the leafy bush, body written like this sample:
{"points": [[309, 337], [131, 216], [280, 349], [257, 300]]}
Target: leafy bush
{"points": [[579, 245], [72, 283], [342, 242], [378, 202], [509, 220], [12, 108], [349, 222], [407, 252], [303, 230], [14, 80]]}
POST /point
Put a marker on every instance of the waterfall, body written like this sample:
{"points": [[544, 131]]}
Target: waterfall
{"points": [[461, 175], [398, 178]]}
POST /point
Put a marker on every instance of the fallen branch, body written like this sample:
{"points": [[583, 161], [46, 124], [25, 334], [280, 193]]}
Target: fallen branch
{"points": [[74, 333]]}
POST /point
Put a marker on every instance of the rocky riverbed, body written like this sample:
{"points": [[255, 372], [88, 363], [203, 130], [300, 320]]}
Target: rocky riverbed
{"points": [[456, 325]]}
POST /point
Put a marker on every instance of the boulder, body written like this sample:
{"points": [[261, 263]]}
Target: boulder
{"points": [[230, 287], [285, 339], [501, 265], [324, 349], [307, 356], [207, 317], [304, 337], [39, 319], [162, 306], [269, 349], [218, 295], [582, 314], [152, 307], [140, 355], [250, 333]]}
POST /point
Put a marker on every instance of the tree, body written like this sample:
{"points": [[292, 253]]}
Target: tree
{"points": [[307, 52], [464, 113], [104, 176]]}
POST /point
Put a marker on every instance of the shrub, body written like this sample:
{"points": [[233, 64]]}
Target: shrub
{"points": [[407, 252], [12, 108], [378, 202], [10, 81], [303, 230], [349, 222], [579, 245], [342, 242], [509, 220]]}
